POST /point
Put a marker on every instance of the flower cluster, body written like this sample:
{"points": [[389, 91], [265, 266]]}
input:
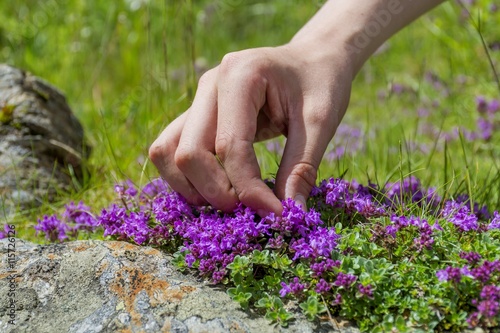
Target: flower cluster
{"points": [[75, 218], [336, 250], [460, 216]]}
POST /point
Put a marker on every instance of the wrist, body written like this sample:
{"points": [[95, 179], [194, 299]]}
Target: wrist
{"points": [[355, 29]]}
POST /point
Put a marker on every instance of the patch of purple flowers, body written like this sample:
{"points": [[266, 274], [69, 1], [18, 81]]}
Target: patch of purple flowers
{"points": [[345, 280], [366, 291], [295, 287], [460, 216], [487, 305]]}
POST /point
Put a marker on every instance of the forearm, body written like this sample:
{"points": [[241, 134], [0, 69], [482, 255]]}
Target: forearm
{"points": [[356, 28]]}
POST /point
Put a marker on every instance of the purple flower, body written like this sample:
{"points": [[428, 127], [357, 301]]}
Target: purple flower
{"points": [[112, 220], [471, 257], [169, 208], [495, 221], [136, 227], [81, 216], [322, 287], [318, 243], [345, 280], [488, 308], [391, 230], [319, 268], [450, 274], [493, 106], [5, 232], [153, 188], [337, 191], [285, 289], [126, 189], [485, 129], [460, 216], [366, 291], [483, 273], [481, 104], [337, 300], [490, 292], [295, 287], [53, 228], [365, 206], [407, 188]]}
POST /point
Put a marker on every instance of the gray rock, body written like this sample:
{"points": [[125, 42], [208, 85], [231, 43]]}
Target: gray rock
{"points": [[41, 141], [96, 286]]}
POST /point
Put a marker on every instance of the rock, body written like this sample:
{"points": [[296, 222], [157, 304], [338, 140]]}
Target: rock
{"points": [[40, 140], [98, 286]]}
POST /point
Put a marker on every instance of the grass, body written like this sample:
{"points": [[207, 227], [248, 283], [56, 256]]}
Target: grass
{"points": [[128, 68]]}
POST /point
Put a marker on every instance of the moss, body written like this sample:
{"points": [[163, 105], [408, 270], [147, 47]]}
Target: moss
{"points": [[6, 114]]}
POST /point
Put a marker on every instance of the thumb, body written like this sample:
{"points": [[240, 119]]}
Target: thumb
{"points": [[308, 137]]}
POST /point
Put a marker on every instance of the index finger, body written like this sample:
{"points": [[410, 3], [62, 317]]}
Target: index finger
{"points": [[241, 95]]}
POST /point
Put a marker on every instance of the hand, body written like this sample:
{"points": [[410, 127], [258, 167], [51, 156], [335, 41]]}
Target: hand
{"points": [[207, 154]]}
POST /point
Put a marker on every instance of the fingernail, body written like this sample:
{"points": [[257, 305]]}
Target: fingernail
{"points": [[301, 201]]}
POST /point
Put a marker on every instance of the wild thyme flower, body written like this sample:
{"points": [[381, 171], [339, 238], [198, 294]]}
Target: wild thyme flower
{"points": [[408, 188], [53, 228], [319, 190], [495, 221], [153, 188], [171, 209], [337, 192], [488, 306], [493, 106], [364, 205], [485, 270], [472, 257], [337, 300], [485, 128], [481, 104], [319, 268], [112, 221], [480, 211], [5, 232], [81, 216], [450, 274], [322, 287], [136, 227], [318, 243], [126, 189], [345, 280], [460, 216], [366, 291], [295, 287]]}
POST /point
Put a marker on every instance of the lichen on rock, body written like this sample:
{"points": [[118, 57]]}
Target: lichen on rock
{"points": [[99, 286]]}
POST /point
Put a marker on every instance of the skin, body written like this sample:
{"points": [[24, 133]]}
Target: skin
{"points": [[300, 90]]}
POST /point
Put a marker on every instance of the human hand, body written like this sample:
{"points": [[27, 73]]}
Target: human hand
{"points": [[255, 95]]}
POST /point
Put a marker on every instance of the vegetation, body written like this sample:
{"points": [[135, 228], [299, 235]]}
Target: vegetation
{"points": [[424, 118]]}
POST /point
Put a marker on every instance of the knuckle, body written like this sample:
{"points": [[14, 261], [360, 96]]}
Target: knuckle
{"points": [[305, 172], [222, 145], [320, 116], [207, 78], [231, 60], [243, 66], [159, 151], [246, 193], [184, 157]]}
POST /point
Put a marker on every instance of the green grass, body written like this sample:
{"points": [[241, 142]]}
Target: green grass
{"points": [[129, 67]]}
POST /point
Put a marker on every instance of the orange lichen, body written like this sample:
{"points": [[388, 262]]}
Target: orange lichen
{"points": [[81, 247], [130, 281]]}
